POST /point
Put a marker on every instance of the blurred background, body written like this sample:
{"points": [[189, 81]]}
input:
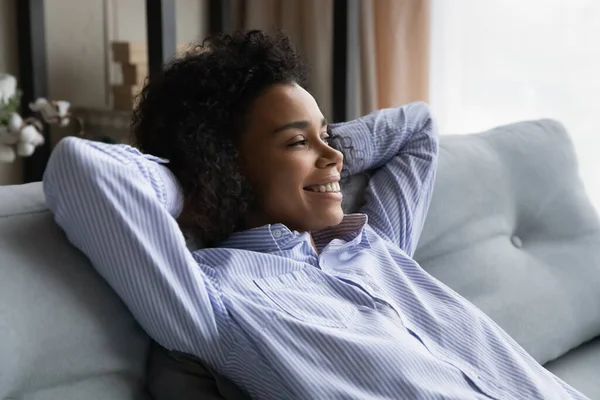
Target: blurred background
{"points": [[479, 63]]}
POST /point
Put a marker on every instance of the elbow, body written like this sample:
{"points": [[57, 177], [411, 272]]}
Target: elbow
{"points": [[426, 125], [419, 116], [66, 163], [430, 128], [67, 157], [424, 114]]}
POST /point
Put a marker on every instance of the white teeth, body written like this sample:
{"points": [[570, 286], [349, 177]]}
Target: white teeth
{"points": [[330, 187]]}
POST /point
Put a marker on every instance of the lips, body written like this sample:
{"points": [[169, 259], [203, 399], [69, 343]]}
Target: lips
{"points": [[329, 184], [333, 187]]}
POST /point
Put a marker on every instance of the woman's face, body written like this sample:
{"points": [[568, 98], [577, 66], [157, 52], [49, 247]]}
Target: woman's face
{"points": [[285, 155]]}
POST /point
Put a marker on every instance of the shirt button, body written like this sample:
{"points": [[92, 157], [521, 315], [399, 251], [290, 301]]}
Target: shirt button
{"points": [[516, 241], [277, 234]]}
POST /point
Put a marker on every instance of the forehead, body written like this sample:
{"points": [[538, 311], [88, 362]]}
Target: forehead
{"points": [[282, 104]]}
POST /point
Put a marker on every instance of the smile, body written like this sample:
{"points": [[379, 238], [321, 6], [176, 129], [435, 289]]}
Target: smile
{"points": [[333, 187]]}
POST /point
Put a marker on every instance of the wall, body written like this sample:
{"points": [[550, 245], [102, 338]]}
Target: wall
{"points": [[78, 36], [79, 60]]}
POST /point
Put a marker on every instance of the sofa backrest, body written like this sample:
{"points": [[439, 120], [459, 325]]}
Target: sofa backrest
{"points": [[63, 332], [511, 228]]}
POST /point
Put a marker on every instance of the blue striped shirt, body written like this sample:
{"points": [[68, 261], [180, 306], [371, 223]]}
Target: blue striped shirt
{"points": [[359, 319]]}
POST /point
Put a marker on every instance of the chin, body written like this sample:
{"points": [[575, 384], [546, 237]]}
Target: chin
{"points": [[330, 219]]}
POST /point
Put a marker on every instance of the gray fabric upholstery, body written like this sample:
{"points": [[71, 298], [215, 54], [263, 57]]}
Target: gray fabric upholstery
{"points": [[580, 368], [511, 228], [64, 335]]}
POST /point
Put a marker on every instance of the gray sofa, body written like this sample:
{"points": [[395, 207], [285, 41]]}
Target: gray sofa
{"points": [[510, 228]]}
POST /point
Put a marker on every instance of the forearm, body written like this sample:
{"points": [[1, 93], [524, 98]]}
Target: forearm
{"points": [[96, 159], [113, 203], [400, 146]]}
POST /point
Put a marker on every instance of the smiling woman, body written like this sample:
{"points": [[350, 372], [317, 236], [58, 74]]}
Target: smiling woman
{"points": [[297, 292]]}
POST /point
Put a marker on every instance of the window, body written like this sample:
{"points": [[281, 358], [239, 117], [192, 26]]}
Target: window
{"points": [[500, 61]]}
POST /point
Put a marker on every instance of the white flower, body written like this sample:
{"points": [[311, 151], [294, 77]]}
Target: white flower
{"points": [[62, 107], [8, 87], [63, 110], [15, 122], [38, 140], [28, 134], [25, 149], [21, 137]]}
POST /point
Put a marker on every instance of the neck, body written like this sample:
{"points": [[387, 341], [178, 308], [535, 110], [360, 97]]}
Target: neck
{"points": [[254, 221], [313, 243]]}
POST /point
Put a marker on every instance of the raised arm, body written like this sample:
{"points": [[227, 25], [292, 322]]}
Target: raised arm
{"points": [[117, 206], [400, 145]]}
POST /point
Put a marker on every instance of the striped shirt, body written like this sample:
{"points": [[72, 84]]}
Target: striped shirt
{"points": [[357, 319]]}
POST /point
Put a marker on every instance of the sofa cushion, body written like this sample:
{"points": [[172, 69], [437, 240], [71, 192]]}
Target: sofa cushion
{"points": [[63, 333], [580, 368], [511, 228]]}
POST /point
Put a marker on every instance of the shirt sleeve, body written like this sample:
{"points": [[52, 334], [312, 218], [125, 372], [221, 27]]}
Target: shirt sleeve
{"points": [[117, 206], [400, 146]]}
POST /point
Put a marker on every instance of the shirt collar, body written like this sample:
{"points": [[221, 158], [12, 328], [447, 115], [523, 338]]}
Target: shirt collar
{"points": [[266, 238], [348, 230], [275, 237]]}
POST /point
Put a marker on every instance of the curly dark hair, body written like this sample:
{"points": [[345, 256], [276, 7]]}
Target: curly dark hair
{"points": [[194, 112]]}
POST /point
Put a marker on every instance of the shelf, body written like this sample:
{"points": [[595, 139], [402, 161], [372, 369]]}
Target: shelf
{"points": [[105, 125]]}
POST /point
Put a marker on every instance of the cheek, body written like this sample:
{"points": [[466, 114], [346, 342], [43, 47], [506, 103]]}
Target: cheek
{"points": [[283, 181], [286, 180], [277, 178]]}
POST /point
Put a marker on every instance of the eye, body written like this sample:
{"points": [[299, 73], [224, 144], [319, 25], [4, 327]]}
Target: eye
{"points": [[298, 143]]}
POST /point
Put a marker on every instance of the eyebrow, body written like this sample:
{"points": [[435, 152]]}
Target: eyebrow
{"points": [[301, 125]]}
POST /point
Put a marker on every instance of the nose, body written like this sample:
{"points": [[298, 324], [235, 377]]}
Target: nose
{"points": [[330, 157]]}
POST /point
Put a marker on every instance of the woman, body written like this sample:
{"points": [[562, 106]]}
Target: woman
{"points": [[291, 299]]}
